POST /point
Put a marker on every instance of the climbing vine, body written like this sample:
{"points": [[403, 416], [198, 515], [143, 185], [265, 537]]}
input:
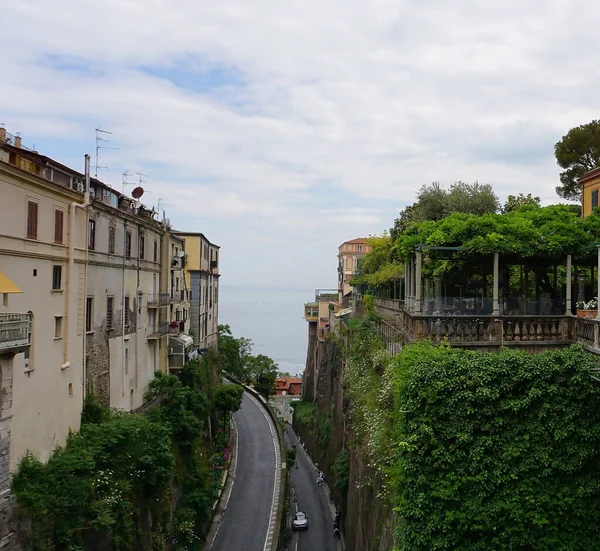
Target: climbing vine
{"points": [[497, 451]]}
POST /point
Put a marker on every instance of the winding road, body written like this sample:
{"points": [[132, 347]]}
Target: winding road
{"points": [[248, 516], [311, 499]]}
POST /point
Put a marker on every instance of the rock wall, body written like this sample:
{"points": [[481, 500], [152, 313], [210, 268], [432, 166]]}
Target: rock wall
{"points": [[366, 515]]}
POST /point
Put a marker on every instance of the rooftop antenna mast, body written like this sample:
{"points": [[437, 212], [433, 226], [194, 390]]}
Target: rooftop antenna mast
{"points": [[124, 181], [99, 146]]}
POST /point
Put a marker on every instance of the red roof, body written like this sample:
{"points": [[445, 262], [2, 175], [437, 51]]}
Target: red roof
{"points": [[589, 175], [292, 385], [357, 240]]}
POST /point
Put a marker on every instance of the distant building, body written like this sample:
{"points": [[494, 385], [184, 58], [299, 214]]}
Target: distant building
{"points": [[177, 316], [202, 279], [590, 187], [350, 254], [288, 386]]}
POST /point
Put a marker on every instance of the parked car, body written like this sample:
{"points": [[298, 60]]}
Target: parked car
{"points": [[300, 521]]}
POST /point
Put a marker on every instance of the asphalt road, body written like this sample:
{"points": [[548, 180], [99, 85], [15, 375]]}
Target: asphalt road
{"points": [[246, 519], [311, 499]]}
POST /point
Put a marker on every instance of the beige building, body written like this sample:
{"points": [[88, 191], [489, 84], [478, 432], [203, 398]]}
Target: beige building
{"points": [[173, 282], [202, 279], [42, 252], [349, 258], [124, 335]]}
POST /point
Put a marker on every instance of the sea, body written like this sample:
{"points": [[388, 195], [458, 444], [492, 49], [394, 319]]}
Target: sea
{"points": [[272, 319]]}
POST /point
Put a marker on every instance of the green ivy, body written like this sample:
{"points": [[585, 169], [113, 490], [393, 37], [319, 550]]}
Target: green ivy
{"points": [[497, 451], [341, 471]]}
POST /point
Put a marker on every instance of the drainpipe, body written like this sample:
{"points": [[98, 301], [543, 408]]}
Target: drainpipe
{"points": [[123, 375], [71, 274]]}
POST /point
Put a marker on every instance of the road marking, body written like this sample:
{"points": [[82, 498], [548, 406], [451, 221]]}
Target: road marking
{"points": [[272, 528]]}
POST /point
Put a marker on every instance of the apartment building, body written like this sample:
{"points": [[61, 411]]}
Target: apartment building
{"points": [[173, 283], [202, 279], [124, 336], [43, 223], [349, 257]]}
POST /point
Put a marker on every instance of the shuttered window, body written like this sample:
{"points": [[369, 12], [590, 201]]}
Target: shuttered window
{"points": [[59, 217], [594, 198], [32, 220]]}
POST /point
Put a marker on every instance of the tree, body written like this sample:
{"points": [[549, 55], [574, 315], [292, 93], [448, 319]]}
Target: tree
{"points": [[435, 202], [229, 397], [577, 152], [234, 353], [263, 371], [515, 202], [284, 374]]}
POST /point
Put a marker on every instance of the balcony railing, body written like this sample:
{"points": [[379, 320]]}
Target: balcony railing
{"points": [[158, 330], [157, 300], [178, 296], [14, 331]]}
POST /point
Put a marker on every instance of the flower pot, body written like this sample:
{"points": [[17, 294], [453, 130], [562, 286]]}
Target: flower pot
{"points": [[590, 314]]}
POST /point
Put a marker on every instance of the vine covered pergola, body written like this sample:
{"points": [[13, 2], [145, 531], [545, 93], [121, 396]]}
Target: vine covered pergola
{"points": [[522, 262]]}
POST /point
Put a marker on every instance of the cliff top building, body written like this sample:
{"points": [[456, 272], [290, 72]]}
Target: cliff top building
{"points": [[349, 256]]}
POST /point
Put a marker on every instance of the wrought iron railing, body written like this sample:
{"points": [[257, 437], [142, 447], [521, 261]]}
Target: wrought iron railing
{"points": [[156, 300], [14, 330]]}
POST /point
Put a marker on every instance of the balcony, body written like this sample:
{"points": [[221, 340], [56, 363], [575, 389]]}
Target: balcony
{"points": [[311, 311], [157, 330], [14, 331], [158, 300], [178, 296]]}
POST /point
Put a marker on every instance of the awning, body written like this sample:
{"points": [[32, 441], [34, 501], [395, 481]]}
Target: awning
{"points": [[184, 339], [7, 286]]}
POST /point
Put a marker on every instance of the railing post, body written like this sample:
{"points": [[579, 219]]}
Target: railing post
{"points": [[495, 308], [438, 294], [598, 290], [418, 283], [596, 331], [568, 297]]}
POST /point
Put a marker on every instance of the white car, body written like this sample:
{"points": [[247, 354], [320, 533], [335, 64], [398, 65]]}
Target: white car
{"points": [[300, 521]]}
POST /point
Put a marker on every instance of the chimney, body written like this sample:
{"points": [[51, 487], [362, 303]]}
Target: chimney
{"points": [[18, 140], [2, 134]]}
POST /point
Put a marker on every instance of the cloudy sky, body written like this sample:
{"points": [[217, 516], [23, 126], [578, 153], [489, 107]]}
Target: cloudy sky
{"points": [[282, 128]]}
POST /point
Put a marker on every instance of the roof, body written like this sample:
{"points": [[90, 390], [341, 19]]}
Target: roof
{"points": [[358, 240], [589, 175], [7, 286], [185, 234], [284, 383]]}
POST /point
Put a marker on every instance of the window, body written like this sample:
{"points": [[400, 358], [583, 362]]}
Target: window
{"points": [[91, 235], [177, 315], [126, 311], [70, 390], [32, 220], [112, 232], [56, 278], [142, 246], [594, 198], [155, 250], [59, 217], [58, 327], [128, 244], [110, 304], [89, 314], [360, 248]]}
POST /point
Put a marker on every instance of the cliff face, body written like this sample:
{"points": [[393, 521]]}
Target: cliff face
{"points": [[366, 516]]}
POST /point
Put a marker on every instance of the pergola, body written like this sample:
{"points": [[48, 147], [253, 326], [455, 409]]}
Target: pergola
{"points": [[506, 275]]}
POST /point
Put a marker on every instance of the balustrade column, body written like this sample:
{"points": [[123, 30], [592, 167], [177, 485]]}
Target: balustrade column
{"points": [[568, 293], [427, 293], [418, 283], [495, 308], [580, 288]]}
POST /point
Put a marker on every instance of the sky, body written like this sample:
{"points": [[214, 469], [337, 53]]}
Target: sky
{"points": [[282, 129]]}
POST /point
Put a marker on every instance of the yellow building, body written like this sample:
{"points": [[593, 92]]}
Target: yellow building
{"points": [[349, 257], [202, 280], [590, 187]]}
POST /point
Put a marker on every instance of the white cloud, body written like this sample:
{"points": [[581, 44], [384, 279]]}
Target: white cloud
{"points": [[336, 112]]}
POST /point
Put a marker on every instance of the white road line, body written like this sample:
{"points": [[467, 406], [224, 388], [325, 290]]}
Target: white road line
{"points": [[270, 531]]}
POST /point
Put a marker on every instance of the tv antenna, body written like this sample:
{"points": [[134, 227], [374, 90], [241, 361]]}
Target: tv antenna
{"points": [[99, 146], [140, 181], [124, 181], [162, 202]]}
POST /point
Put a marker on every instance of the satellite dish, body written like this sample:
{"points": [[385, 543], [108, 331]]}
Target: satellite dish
{"points": [[137, 192], [181, 254]]}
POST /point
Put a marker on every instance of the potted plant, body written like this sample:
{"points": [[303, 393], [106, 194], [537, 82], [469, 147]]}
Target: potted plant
{"points": [[587, 309]]}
